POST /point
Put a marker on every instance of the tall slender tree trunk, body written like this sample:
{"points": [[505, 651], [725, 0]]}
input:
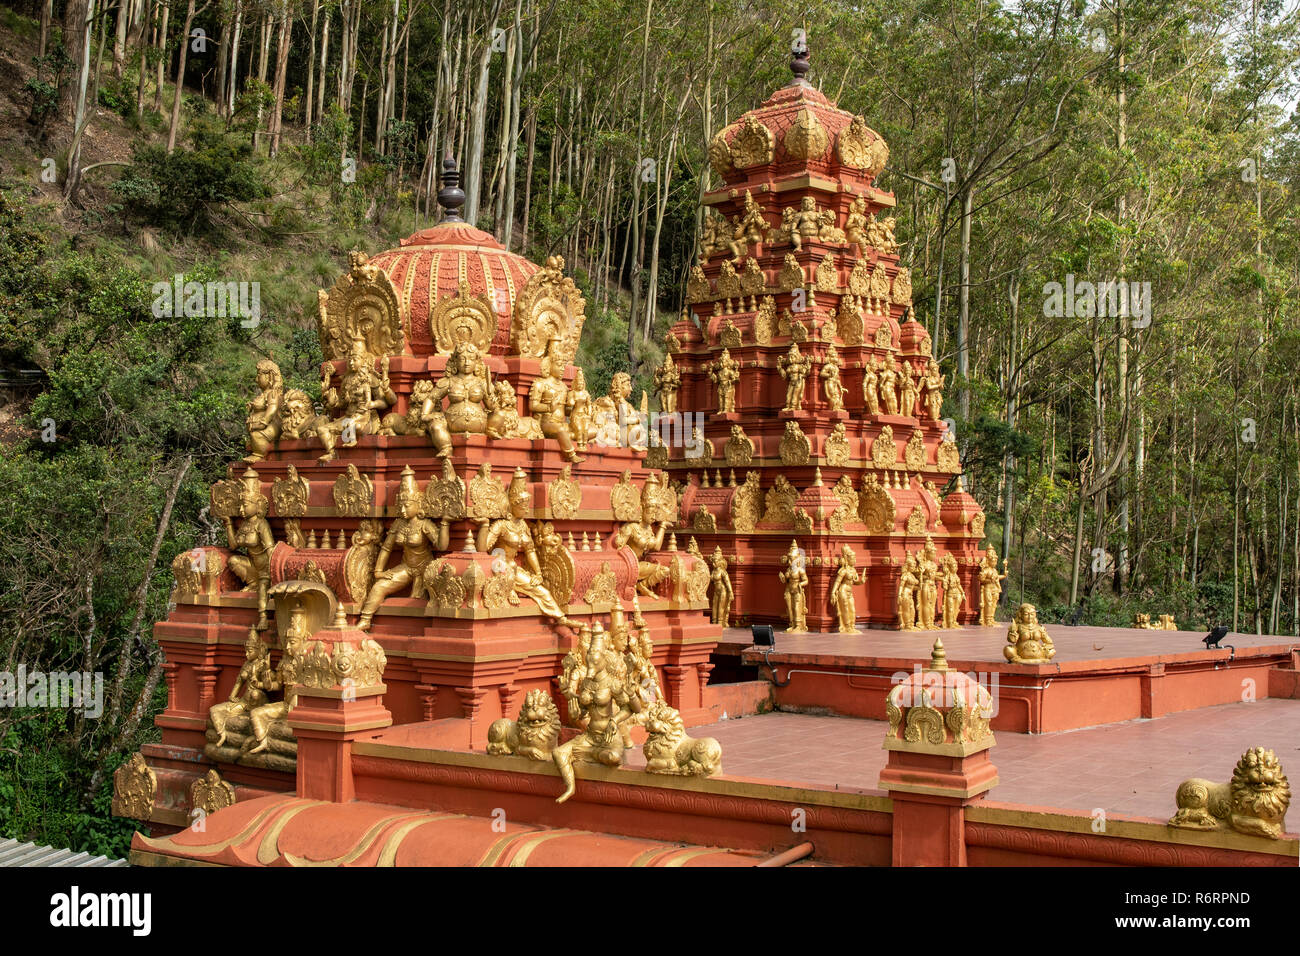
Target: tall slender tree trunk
{"points": [[281, 73], [311, 70], [175, 124]]}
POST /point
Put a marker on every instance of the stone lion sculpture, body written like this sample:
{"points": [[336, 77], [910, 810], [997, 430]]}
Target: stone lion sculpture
{"points": [[669, 750], [533, 735], [1254, 802]]}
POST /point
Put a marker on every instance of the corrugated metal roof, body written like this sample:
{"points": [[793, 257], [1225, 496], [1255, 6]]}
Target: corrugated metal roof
{"points": [[13, 853]]}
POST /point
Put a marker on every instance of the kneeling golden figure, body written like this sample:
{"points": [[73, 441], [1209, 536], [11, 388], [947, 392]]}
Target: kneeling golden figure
{"points": [[417, 536]]}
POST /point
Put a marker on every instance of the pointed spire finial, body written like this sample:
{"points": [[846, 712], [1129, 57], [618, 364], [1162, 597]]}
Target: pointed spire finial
{"points": [[799, 59], [450, 197]]}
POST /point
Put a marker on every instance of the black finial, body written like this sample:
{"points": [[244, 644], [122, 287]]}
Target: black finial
{"points": [[799, 59], [450, 197]]}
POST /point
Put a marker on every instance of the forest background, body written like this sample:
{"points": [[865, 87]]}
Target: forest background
{"points": [[1127, 463]]}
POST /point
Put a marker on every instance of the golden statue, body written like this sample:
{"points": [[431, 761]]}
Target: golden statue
{"points": [[954, 595], [353, 408], [249, 692], [547, 401], [990, 586], [418, 538], [800, 224], [594, 682], [1254, 801], [794, 367], [1027, 640], [927, 572], [871, 387], [889, 385], [254, 538], [263, 418], [832, 387], [518, 548], [618, 422], [880, 234], [467, 387], [908, 583], [668, 379], [286, 681], [846, 578], [577, 404], [909, 392], [932, 398], [749, 230], [855, 226], [534, 735], [723, 593], [795, 578], [725, 374], [646, 534], [668, 748]]}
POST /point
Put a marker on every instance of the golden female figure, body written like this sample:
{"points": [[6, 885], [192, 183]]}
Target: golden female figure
{"points": [[723, 593], [417, 536], [249, 691], [889, 386], [990, 586], [832, 387], [604, 701], [578, 405], [954, 595], [871, 388], [254, 538], [467, 389], [795, 579], [285, 679], [546, 402], [928, 594], [846, 578], [514, 539], [907, 586], [263, 418], [355, 405]]}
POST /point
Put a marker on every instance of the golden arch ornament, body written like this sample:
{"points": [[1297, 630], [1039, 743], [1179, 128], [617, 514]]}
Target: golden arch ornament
{"points": [[549, 307], [364, 305], [463, 318]]}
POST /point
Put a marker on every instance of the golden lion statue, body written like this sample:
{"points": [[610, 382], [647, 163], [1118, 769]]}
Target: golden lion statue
{"points": [[669, 750], [1254, 802], [533, 735]]}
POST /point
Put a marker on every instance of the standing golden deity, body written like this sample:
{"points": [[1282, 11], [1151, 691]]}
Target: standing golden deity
{"points": [[927, 568], [518, 549], [547, 401], [846, 578], [910, 393], [889, 385], [353, 408], [723, 593], [794, 367], [832, 387], [795, 579], [932, 399], [668, 379], [418, 538], [990, 586], [908, 583], [263, 418], [577, 404], [254, 538], [871, 387], [725, 374], [954, 595]]}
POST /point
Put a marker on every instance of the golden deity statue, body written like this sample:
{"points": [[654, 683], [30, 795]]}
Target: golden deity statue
{"points": [[618, 422], [353, 408], [794, 367], [668, 379], [908, 583], [725, 374], [855, 227], [285, 681], [263, 418], [954, 595], [846, 578], [909, 394], [932, 398], [596, 687], [467, 387], [832, 387], [1027, 640], [547, 400], [518, 549], [722, 593], [990, 586], [803, 223], [795, 578], [578, 406], [669, 749], [253, 537], [249, 691], [888, 377], [871, 387], [749, 230], [880, 234], [646, 535], [417, 537], [927, 573]]}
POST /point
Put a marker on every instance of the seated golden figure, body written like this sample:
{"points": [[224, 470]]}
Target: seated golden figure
{"points": [[1027, 640], [263, 418], [253, 537], [668, 748], [417, 536], [249, 692], [599, 693], [519, 550], [468, 390], [285, 681], [547, 401], [644, 536], [533, 735], [353, 408]]}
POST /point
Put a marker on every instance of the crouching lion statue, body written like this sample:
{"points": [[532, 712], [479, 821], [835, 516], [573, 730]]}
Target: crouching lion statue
{"points": [[533, 735], [1254, 802], [669, 750]]}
